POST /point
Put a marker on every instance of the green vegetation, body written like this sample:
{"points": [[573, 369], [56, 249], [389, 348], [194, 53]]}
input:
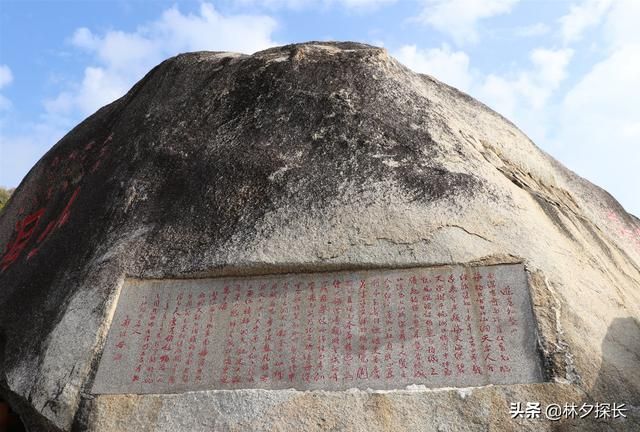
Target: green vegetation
{"points": [[4, 196]]}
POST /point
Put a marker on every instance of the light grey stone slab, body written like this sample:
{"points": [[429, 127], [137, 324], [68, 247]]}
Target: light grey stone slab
{"points": [[381, 329]]}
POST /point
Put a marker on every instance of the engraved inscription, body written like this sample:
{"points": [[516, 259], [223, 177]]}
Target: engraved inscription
{"points": [[381, 329]]}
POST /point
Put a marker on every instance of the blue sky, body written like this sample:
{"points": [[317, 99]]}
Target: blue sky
{"points": [[567, 72]]}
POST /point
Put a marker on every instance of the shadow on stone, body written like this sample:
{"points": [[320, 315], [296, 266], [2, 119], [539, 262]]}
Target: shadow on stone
{"points": [[9, 420], [617, 383]]}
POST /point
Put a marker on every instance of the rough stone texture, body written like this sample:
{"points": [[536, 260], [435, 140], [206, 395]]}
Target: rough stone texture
{"points": [[306, 158], [378, 329]]}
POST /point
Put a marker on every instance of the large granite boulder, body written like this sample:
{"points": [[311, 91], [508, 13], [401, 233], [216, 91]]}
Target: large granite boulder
{"points": [[303, 158]]}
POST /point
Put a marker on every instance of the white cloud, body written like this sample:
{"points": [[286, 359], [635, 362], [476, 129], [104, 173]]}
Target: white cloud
{"points": [[101, 86], [83, 38], [611, 89], [621, 26], [6, 77], [212, 31], [528, 89], [451, 67], [117, 50], [302, 4], [551, 65], [582, 17], [122, 58], [459, 18]]}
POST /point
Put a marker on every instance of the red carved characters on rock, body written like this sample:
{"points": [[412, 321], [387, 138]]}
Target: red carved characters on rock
{"points": [[432, 327], [34, 229], [25, 229], [624, 230]]}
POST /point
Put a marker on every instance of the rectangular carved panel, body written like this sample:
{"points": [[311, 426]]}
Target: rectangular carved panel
{"points": [[381, 329]]}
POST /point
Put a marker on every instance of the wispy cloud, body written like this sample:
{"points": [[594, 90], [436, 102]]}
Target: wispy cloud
{"points": [[581, 17], [6, 77], [443, 63], [307, 4], [122, 58], [459, 18]]}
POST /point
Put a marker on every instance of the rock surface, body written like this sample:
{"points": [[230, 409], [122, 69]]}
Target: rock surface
{"points": [[310, 157]]}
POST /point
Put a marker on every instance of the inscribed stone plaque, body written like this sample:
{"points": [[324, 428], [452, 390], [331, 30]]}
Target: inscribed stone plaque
{"points": [[381, 329]]}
